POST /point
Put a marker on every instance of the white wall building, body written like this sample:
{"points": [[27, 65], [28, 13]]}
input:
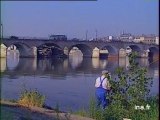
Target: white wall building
{"points": [[148, 39], [127, 37], [137, 39], [110, 37], [157, 40]]}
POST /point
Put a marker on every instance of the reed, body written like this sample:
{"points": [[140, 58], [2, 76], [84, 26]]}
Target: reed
{"points": [[31, 98]]}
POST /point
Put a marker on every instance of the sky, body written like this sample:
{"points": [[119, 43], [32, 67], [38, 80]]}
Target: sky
{"points": [[74, 18]]}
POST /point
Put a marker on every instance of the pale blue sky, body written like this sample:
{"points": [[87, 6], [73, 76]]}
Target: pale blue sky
{"points": [[109, 17]]}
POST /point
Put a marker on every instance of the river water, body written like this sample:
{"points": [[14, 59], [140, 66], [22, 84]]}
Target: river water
{"points": [[68, 83]]}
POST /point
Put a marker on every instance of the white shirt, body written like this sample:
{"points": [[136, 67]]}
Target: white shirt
{"points": [[105, 83]]}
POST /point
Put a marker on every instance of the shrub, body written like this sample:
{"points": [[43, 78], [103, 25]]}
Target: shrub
{"points": [[130, 88], [31, 98]]}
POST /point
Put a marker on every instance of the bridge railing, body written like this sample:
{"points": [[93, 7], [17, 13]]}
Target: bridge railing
{"points": [[46, 38], [31, 38], [27, 37]]}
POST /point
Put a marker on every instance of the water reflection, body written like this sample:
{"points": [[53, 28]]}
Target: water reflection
{"points": [[144, 62], [3, 64], [70, 79], [60, 66], [75, 61], [12, 59], [156, 74], [103, 64], [95, 62], [123, 62]]}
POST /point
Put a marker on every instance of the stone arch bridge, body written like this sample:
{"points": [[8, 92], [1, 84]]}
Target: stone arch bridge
{"points": [[29, 47]]}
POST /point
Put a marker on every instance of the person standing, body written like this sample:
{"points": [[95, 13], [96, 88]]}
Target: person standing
{"points": [[102, 86]]}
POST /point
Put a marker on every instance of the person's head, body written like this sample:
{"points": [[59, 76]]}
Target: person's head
{"points": [[105, 73]]}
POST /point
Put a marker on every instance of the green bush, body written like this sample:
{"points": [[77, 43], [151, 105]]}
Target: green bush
{"points": [[31, 98], [129, 89], [118, 111]]}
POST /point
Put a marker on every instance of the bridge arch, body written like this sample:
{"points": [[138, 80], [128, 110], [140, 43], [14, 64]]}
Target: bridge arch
{"points": [[86, 50], [141, 47], [153, 52], [50, 50], [111, 50], [135, 48], [24, 49]]}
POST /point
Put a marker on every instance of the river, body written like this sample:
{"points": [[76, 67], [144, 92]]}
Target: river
{"points": [[68, 83]]}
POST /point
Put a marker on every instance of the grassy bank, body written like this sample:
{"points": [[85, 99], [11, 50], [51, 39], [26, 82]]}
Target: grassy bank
{"points": [[14, 111], [30, 106], [129, 96], [118, 111]]}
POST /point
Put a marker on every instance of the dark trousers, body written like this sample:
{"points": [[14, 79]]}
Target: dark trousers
{"points": [[101, 97]]}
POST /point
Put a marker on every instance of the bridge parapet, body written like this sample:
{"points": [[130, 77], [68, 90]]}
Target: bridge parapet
{"points": [[28, 44]]}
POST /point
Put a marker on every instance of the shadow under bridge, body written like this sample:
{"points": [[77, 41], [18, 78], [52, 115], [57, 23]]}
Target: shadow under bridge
{"points": [[86, 50]]}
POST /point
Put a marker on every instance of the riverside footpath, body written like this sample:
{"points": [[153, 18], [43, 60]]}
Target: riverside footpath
{"points": [[13, 111]]}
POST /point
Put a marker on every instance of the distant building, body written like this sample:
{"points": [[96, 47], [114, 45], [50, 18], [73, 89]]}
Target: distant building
{"points": [[157, 40], [138, 39], [113, 38], [91, 39], [105, 39], [58, 37], [110, 37], [126, 37], [148, 39]]}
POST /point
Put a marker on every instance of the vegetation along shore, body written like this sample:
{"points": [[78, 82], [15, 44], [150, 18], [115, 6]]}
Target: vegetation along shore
{"points": [[129, 98]]}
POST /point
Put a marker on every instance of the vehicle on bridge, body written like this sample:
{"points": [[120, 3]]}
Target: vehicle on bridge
{"points": [[58, 37], [14, 37]]}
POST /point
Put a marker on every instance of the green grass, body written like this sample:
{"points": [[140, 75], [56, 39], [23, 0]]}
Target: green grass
{"points": [[31, 98], [118, 111]]}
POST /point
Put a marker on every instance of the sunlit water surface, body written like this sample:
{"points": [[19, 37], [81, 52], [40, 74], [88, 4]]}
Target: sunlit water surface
{"points": [[68, 83]]}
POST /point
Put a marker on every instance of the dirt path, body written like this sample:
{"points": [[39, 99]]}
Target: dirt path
{"points": [[12, 111]]}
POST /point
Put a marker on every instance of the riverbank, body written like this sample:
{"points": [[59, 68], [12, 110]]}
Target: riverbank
{"points": [[13, 111]]}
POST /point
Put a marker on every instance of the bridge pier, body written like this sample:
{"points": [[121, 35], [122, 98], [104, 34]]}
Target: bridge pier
{"points": [[3, 53], [66, 51], [30, 53], [122, 53], [102, 54], [3, 64], [95, 53], [34, 51], [144, 54], [86, 47]]}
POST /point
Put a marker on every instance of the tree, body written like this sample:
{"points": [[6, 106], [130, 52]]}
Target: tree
{"points": [[130, 87]]}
